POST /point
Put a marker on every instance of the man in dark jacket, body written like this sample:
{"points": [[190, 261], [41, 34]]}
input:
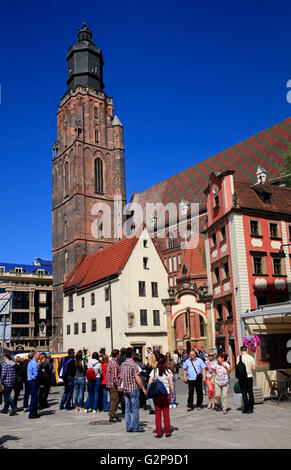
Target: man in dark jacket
{"points": [[68, 379], [8, 381], [27, 388]]}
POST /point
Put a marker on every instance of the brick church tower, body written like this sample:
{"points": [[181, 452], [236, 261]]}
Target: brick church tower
{"points": [[88, 170]]}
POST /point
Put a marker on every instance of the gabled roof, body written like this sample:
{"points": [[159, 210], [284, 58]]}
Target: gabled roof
{"points": [[265, 148], [101, 265], [248, 197]]}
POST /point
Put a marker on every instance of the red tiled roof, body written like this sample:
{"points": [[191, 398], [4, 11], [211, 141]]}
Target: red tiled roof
{"points": [[100, 265], [265, 148], [248, 197]]}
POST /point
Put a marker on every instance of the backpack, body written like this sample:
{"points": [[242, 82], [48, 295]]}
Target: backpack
{"points": [[241, 371], [64, 367], [157, 388], [90, 374]]}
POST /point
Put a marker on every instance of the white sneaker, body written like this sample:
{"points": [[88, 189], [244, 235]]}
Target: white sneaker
{"points": [[170, 406], [94, 411], [85, 411], [174, 406]]}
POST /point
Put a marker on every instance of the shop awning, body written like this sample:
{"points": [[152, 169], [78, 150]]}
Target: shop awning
{"points": [[283, 308]]}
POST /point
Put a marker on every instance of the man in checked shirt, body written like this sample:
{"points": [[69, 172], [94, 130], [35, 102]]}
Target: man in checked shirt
{"points": [[113, 383], [131, 382]]}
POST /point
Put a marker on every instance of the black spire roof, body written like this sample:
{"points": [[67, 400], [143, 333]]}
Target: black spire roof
{"points": [[85, 62]]}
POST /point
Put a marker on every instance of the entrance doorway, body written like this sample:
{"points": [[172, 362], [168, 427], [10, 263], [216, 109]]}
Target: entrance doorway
{"points": [[138, 349]]}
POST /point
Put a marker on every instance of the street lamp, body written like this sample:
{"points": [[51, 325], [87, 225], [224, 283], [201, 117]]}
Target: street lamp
{"points": [[281, 251]]}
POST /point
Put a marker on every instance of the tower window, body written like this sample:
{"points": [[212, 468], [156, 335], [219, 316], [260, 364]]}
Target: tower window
{"points": [[96, 136], [66, 179], [98, 175]]}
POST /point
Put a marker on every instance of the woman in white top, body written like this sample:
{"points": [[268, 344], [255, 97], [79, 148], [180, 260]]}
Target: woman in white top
{"points": [[94, 384], [162, 373], [222, 371]]}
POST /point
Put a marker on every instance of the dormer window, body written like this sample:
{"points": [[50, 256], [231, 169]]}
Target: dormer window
{"points": [[264, 195], [215, 197], [18, 270]]}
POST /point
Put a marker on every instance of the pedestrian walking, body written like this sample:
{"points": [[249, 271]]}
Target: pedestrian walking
{"points": [[94, 372], [67, 370], [245, 379], [105, 401], [8, 377], [222, 371], [79, 381], [113, 384], [177, 362], [27, 388], [20, 375], [172, 367], [210, 379], [143, 377], [131, 382], [33, 372], [151, 364], [164, 375], [44, 382], [194, 376]]}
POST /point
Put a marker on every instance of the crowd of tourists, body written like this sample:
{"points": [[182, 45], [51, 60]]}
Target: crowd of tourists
{"points": [[124, 380]]}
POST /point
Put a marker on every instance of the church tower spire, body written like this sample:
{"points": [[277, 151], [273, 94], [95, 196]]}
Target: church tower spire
{"points": [[88, 170], [85, 62]]}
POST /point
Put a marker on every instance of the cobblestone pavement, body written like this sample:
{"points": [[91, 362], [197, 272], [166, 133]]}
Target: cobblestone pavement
{"points": [[268, 427]]}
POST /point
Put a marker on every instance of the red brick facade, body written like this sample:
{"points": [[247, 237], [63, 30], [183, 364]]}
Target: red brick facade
{"points": [[86, 132]]}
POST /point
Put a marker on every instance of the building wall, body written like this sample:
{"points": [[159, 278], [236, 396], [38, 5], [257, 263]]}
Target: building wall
{"points": [[125, 302], [26, 317], [75, 214]]}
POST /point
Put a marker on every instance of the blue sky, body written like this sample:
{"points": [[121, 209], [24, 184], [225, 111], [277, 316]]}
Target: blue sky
{"points": [[188, 79]]}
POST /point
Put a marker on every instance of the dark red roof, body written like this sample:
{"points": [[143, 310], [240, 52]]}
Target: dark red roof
{"points": [[248, 197], [265, 148], [195, 260], [100, 265]]}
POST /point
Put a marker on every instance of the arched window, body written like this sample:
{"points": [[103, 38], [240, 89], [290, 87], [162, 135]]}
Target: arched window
{"points": [[98, 175], [65, 230], [96, 111], [96, 136], [66, 178]]}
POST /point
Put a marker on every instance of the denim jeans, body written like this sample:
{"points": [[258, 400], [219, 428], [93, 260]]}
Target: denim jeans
{"points": [[34, 387], [79, 387], [93, 394], [151, 401], [173, 402], [68, 393], [106, 403], [7, 398], [131, 406], [27, 392]]}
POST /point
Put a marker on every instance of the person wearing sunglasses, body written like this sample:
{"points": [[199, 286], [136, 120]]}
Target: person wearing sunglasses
{"points": [[211, 363]]}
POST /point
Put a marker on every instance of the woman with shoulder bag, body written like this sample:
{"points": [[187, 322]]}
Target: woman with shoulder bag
{"points": [[211, 363], [222, 371], [164, 375], [94, 374]]}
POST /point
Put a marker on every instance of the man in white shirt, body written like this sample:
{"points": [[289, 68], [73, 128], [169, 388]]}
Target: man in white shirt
{"points": [[246, 386]]}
